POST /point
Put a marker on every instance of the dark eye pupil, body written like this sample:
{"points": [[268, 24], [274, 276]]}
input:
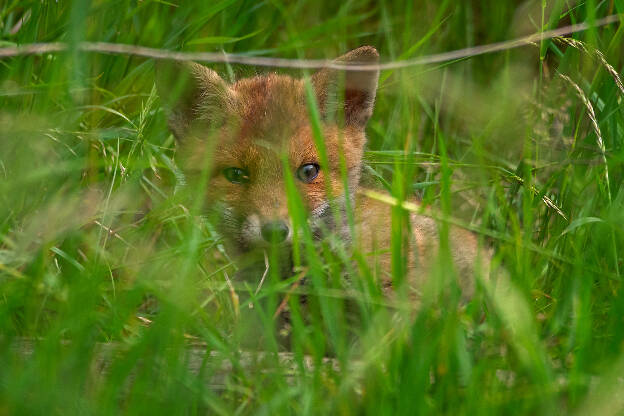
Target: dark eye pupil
{"points": [[308, 172], [236, 175]]}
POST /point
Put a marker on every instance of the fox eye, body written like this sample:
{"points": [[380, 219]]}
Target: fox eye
{"points": [[236, 175], [308, 172]]}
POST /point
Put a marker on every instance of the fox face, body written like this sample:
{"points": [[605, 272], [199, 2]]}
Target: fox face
{"points": [[246, 134]]}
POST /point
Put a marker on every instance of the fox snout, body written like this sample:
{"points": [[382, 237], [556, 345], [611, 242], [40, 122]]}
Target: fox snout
{"points": [[276, 231], [271, 215], [257, 231]]}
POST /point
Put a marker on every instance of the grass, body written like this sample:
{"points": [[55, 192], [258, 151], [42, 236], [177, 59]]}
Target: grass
{"points": [[113, 281]]}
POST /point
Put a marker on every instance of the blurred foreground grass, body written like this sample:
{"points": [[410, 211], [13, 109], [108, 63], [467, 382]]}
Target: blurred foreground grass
{"points": [[100, 241]]}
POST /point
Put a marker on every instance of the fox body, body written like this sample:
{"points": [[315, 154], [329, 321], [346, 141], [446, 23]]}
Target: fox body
{"points": [[250, 131]]}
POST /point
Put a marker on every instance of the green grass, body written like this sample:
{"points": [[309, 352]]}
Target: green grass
{"points": [[97, 229]]}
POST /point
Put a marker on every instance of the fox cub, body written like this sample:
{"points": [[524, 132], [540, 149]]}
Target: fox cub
{"points": [[242, 131]]}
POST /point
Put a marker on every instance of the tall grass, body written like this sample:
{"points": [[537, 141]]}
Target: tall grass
{"points": [[116, 293]]}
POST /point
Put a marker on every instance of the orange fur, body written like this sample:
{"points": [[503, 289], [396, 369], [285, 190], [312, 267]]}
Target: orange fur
{"points": [[260, 120]]}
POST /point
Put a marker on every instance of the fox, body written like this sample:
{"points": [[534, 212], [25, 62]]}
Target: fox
{"points": [[249, 131]]}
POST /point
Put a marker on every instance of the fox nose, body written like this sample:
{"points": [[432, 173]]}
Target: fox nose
{"points": [[274, 231]]}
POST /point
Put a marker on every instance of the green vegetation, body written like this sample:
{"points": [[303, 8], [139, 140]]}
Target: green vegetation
{"points": [[101, 242]]}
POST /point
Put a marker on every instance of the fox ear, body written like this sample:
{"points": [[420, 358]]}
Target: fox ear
{"points": [[360, 87], [191, 92]]}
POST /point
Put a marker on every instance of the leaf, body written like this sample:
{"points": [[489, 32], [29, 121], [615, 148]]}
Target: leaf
{"points": [[67, 257], [580, 222]]}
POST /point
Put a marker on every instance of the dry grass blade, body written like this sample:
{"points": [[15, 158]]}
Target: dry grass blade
{"points": [[596, 54], [592, 116], [264, 275], [233, 295], [115, 48], [282, 306], [197, 357]]}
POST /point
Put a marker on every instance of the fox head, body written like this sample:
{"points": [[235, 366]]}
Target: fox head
{"points": [[246, 133]]}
